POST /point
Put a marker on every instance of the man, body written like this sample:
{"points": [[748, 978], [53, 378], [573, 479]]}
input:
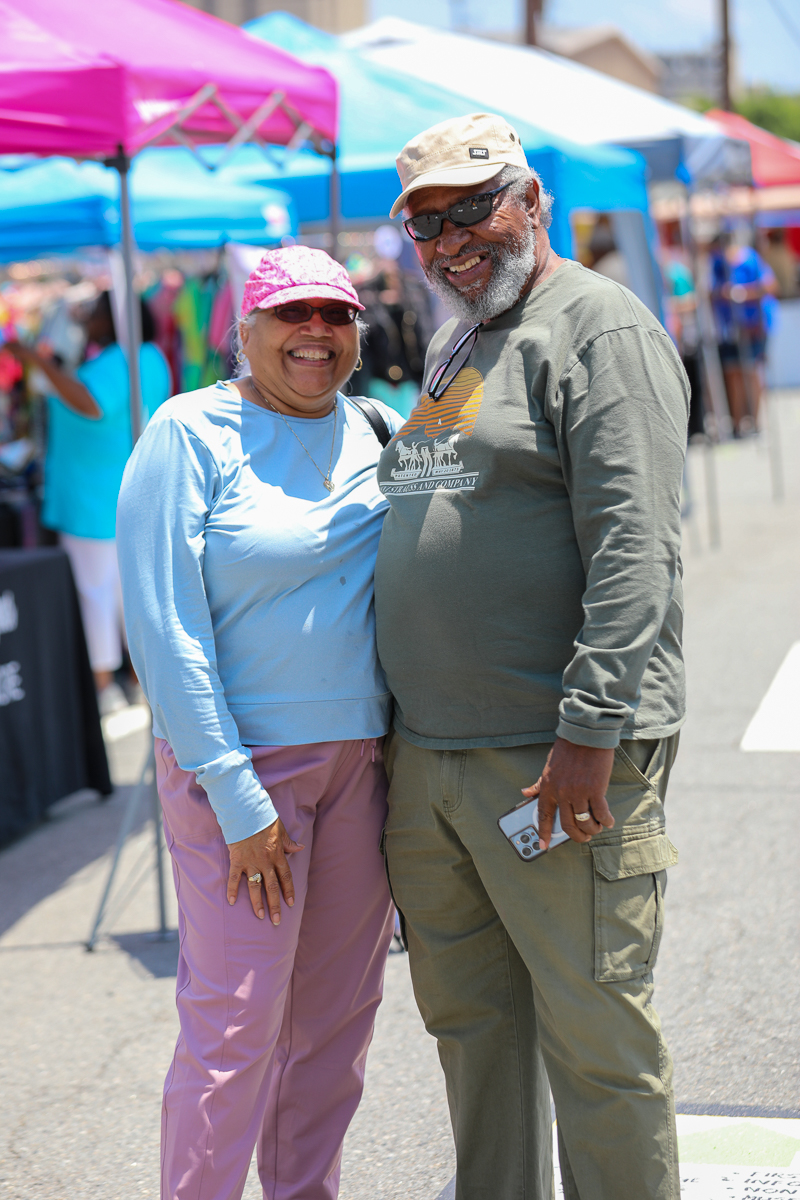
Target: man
{"points": [[528, 605], [742, 296]]}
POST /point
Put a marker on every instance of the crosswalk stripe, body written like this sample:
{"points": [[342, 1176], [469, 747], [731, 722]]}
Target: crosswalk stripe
{"points": [[776, 724]]}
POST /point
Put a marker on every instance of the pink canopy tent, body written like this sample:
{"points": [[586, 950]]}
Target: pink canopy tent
{"points": [[104, 80], [84, 78], [55, 98]]}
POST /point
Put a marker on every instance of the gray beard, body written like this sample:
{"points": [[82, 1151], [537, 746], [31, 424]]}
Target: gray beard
{"points": [[512, 267]]}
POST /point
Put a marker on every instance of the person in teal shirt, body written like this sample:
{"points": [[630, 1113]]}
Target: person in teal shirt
{"points": [[89, 442]]}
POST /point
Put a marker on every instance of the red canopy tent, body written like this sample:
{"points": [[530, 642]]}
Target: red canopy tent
{"points": [[104, 80], [776, 163]]}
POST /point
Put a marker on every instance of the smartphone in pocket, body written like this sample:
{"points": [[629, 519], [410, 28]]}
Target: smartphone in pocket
{"points": [[521, 827]]}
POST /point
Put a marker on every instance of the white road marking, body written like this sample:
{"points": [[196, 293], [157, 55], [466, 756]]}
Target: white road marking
{"points": [[748, 1171], [776, 724]]}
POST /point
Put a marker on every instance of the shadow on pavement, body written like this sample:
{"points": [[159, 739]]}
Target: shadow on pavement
{"points": [[79, 830], [159, 958]]}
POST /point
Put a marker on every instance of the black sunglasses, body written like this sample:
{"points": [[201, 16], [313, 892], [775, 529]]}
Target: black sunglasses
{"points": [[332, 314], [437, 386], [471, 211]]}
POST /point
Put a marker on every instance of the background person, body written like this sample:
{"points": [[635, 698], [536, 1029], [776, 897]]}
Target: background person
{"points": [[88, 443], [398, 313], [681, 318], [782, 261], [528, 601], [742, 296], [604, 255], [249, 605]]}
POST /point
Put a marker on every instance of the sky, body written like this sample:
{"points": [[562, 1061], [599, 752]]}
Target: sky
{"points": [[766, 52]]}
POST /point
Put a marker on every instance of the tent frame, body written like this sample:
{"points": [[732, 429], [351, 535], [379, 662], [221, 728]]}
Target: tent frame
{"points": [[173, 125]]}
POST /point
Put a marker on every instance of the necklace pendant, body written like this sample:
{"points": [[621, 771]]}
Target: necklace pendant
{"points": [[330, 486]]}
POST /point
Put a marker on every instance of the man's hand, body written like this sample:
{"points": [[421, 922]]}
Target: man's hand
{"points": [[574, 780], [265, 853]]}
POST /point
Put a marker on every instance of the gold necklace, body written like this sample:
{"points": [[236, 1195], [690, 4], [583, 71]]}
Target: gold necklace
{"points": [[326, 478]]}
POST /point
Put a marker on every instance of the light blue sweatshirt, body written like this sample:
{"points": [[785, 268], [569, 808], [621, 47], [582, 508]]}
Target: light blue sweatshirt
{"points": [[248, 586]]}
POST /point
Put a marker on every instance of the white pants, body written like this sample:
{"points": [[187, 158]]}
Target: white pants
{"points": [[96, 571]]}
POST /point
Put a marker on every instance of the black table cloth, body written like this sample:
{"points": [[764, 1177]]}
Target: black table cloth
{"points": [[51, 743]]}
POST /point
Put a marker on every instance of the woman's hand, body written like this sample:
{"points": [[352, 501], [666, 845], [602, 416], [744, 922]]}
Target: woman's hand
{"points": [[74, 394], [21, 352], [265, 853]]}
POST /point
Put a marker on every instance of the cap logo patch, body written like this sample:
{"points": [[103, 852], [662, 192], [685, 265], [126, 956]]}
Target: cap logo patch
{"points": [[478, 152]]}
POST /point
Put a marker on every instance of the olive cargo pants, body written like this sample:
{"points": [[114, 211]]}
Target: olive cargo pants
{"points": [[535, 972]]}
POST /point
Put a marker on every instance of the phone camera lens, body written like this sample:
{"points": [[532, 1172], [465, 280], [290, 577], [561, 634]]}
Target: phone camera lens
{"points": [[526, 850], [524, 838]]}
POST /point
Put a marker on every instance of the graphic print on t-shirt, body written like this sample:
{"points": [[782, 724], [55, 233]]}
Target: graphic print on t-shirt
{"points": [[427, 447]]}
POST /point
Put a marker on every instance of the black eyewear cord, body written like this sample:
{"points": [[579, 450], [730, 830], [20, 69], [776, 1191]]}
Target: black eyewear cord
{"points": [[470, 211]]}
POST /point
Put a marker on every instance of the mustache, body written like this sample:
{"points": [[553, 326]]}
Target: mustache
{"points": [[436, 270], [512, 263]]}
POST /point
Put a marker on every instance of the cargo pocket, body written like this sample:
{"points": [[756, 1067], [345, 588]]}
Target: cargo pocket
{"points": [[629, 878], [400, 917]]}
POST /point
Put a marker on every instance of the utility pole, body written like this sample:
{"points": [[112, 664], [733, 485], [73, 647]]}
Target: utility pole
{"points": [[725, 98], [533, 14]]}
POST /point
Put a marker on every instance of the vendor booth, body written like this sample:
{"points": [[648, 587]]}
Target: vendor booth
{"points": [[105, 82]]}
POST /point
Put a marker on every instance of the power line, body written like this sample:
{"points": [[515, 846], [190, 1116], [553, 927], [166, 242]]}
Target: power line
{"points": [[779, 11]]}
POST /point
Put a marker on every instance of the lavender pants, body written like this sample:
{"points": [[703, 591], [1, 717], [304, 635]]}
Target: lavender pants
{"points": [[275, 1021]]}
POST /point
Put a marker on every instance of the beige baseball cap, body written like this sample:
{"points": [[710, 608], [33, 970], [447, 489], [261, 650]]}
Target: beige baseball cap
{"points": [[457, 153]]}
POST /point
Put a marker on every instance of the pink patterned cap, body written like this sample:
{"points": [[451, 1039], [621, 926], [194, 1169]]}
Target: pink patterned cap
{"points": [[297, 273]]}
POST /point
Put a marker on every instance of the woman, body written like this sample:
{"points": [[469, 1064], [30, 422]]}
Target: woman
{"points": [[88, 444], [248, 525]]}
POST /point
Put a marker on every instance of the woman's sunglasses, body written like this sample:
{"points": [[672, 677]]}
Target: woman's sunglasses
{"points": [[332, 314], [467, 212]]}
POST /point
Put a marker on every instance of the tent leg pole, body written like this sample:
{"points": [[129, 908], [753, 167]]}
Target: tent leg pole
{"points": [[164, 933], [132, 314], [335, 207], [774, 446], [712, 496], [128, 819]]}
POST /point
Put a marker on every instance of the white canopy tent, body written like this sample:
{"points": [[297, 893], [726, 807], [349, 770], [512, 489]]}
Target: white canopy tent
{"points": [[562, 97]]}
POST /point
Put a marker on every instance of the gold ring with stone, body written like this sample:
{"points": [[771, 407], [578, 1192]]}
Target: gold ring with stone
{"points": [[255, 878]]}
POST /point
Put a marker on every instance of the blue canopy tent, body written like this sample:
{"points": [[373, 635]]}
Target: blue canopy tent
{"points": [[381, 109], [57, 205]]}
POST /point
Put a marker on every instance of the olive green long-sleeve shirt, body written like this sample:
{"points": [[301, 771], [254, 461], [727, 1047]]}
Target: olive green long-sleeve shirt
{"points": [[528, 582]]}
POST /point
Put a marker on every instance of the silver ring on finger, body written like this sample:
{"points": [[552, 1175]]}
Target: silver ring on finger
{"points": [[587, 816], [255, 878]]}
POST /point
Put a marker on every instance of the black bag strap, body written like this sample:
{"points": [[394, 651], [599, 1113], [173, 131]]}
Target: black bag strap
{"points": [[379, 426]]}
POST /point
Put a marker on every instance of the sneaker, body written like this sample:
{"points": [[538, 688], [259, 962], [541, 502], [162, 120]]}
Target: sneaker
{"points": [[111, 699]]}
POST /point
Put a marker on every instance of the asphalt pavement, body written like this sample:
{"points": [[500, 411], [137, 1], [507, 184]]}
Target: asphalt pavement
{"points": [[728, 977], [85, 1039]]}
